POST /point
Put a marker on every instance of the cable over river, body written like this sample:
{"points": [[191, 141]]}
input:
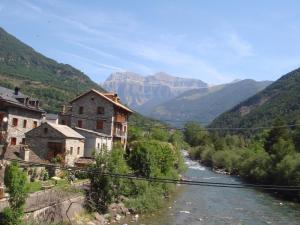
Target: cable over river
{"points": [[196, 205]]}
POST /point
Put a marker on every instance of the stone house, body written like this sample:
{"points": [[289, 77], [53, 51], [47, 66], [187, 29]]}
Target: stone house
{"points": [[54, 142], [94, 141], [18, 114], [99, 112]]}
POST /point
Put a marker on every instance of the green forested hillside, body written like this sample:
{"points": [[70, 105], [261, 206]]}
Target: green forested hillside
{"points": [[53, 83], [204, 105], [280, 99]]}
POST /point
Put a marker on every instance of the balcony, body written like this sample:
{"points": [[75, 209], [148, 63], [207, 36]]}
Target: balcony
{"points": [[119, 133], [120, 119]]}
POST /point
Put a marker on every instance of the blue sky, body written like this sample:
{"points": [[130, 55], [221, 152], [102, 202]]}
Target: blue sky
{"points": [[215, 41]]}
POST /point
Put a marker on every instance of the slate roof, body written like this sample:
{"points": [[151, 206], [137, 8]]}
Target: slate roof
{"points": [[13, 152], [66, 131], [50, 116], [106, 98], [92, 132], [9, 96]]}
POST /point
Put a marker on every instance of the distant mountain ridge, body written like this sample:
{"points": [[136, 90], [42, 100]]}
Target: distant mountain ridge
{"points": [[280, 99], [142, 93], [38, 76], [204, 105]]}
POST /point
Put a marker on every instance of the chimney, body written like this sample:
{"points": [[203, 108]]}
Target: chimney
{"points": [[24, 153], [17, 89]]}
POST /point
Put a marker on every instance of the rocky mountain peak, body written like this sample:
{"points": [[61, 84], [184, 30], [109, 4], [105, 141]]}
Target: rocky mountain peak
{"points": [[144, 92]]}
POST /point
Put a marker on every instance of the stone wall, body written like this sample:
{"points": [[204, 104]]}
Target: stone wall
{"points": [[37, 140], [19, 131], [90, 102]]}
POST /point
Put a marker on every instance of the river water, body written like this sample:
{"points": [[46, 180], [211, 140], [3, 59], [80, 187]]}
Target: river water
{"points": [[196, 205]]}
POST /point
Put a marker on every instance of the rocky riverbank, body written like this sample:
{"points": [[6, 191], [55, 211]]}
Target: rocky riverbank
{"points": [[116, 213]]}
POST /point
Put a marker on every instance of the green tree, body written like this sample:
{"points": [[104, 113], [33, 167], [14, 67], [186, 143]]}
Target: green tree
{"points": [[195, 135], [296, 137], [280, 131], [159, 134], [118, 165], [100, 195], [16, 184]]}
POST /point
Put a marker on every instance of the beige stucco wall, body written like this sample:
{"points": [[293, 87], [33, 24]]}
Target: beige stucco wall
{"points": [[75, 144]]}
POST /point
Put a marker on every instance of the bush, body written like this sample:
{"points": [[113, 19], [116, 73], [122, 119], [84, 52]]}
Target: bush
{"points": [[288, 170], [148, 199], [255, 165], [15, 181], [11, 217]]}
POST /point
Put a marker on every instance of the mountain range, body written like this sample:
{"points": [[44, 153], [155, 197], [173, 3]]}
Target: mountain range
{"points": [[143, 93], [204, 105], [279, 100], [38, 76], [244, 103]]}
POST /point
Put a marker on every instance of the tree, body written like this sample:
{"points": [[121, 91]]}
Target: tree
{"points": [[195, 135], [159, 134], [118, 165], [100, 195], [280, 131], [296, 137], [15, 181]]}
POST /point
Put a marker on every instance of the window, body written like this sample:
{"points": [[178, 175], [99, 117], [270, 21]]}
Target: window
{"points": [[24, 123], [98, 146], [99, 124], [34, 124], [100, 110], [80, 110], [71, 150], [15, 122], [13, 141], [78, 150], [46, 130], [79, 123], [23, 141], [63, 122]]}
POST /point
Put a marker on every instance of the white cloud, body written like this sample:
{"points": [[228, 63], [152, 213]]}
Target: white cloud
{"points": [[91, 61], [240, 46], [32, 6]]}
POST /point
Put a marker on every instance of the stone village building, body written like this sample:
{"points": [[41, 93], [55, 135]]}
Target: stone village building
{"points": [[102, 113], [18, 114], [91, 122], [56, 142]]}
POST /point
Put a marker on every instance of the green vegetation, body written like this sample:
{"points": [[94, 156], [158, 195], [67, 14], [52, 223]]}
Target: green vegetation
{"points": [[38, 76], [155, 153], [272, 157], [280, 99], [16, 183]]}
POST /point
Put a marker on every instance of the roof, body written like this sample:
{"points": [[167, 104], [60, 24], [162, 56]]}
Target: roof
{"points": [[85, 160], [50, 116], [118, 104], [9, 96], [13, 152], [66, 131], [92, 132]]}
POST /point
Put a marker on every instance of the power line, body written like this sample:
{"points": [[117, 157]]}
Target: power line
{"points": [[166, 180]]}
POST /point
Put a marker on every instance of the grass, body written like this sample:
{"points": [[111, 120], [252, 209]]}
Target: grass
{"points": [[61, 184]]}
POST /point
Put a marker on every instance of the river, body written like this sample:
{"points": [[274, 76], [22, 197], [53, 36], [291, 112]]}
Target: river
{"points": [[196, 205]]}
